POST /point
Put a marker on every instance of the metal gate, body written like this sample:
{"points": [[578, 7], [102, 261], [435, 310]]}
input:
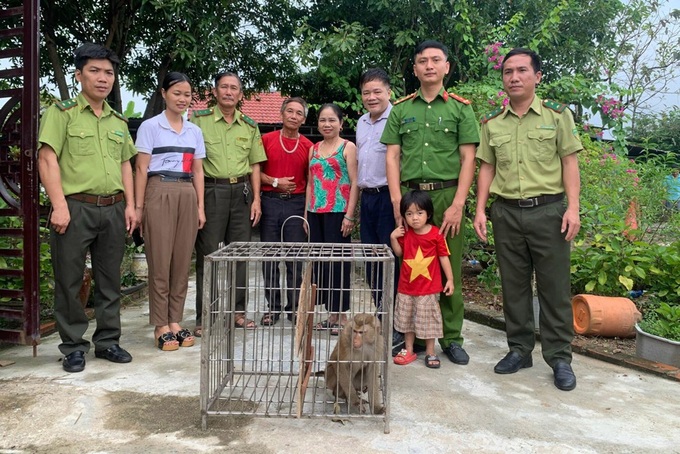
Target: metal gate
{"points": [[281, 369], [19, 190]]}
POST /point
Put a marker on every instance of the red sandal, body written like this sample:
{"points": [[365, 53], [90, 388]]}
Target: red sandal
{"points": [[404, 357]]}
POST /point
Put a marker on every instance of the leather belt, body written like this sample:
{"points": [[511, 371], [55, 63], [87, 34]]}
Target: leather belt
{"points": [[534, 201], [374, 190], [170, 179], [281, 195], [99, 200], [231, 180], [429, 186]]}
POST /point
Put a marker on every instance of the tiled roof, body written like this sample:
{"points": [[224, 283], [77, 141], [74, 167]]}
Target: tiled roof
{"points": [[264, 108]]}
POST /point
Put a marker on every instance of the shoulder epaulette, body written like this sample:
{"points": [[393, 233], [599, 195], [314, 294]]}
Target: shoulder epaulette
{"points": [[120, 115], [67, 104], [406, 98], [554, 105], [203, 113], [492, 115], [249, 120], [459, 98]]}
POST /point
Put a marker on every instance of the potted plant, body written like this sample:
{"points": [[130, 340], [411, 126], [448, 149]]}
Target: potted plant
{"points": [[658, 335]]}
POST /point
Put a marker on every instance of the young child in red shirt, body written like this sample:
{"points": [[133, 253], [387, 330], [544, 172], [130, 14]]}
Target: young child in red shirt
{"points": [[424, 255]]}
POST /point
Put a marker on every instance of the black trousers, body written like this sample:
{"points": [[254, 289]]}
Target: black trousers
{"points": [[101, 230], [332, 278], [528, 240], [275, 217]]}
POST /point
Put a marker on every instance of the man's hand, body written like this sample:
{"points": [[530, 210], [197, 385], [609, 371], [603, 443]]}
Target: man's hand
{"points": [[286, 184], [571, 223], [60, 219], [255, 212], [131, 219], [480, 225], [452, 220]]}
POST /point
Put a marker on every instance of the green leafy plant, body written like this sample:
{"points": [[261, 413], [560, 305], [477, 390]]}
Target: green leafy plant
{"points": [[663, 321]]}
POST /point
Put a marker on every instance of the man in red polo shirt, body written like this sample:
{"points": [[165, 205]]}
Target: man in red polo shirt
{"points": [[284, 182]]}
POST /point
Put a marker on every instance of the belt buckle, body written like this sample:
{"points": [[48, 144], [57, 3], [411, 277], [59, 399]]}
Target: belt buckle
{"points": [[233, 180], [527, 203], [102, 199], [285, 195], [426, 186]]}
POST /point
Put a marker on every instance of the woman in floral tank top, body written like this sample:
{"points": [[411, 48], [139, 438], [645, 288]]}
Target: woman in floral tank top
{"points": [[332, 195]]}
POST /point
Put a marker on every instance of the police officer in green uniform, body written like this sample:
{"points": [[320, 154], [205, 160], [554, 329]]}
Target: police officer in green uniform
{"points": [[84, 165], [528, 161], [431, 137], [232, 184]]}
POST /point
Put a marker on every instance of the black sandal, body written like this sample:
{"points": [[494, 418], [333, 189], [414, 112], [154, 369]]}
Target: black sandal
{"points": [[185, 338], [270, 319], [432, 361], [167, 342]]}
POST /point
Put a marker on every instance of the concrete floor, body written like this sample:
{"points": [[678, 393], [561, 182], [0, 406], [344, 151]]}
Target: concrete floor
{"points": [[152, 405]]}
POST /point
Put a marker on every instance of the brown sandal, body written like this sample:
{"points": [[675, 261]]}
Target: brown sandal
{"points": [[242, 322], [198, 331]]}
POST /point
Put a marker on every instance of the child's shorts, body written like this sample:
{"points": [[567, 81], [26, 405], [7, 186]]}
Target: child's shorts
{"points": [[420, 315]]}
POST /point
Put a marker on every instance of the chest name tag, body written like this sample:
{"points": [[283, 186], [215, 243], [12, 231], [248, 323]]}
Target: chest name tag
{"points": [[408, 120], [241, 139], [551, 127]]}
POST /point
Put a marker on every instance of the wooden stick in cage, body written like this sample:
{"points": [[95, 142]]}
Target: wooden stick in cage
{"points": [[303, 335]]}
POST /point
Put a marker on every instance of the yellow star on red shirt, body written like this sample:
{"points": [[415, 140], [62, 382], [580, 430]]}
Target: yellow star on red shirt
{"points": [[420, 266]]}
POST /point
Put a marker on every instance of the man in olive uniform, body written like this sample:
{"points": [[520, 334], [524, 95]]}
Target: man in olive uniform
{"points": [[232, 184], [84, 165], [528, 161], [431, 136]]}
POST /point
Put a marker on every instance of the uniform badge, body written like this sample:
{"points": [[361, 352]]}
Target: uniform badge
{"points": [[408, 120]]}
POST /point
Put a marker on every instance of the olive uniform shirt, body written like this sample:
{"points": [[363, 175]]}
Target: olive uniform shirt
{"points": [[90, 149], [527, 151], [429, 135], [230, 148]]}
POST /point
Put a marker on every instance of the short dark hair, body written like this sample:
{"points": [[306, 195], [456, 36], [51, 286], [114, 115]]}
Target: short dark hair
{"points": [[334, 107], [535, 58], [223, 74], [174, 77], [428, 45], [421, 199], [90, 51], [374, 74], [298, 100]]}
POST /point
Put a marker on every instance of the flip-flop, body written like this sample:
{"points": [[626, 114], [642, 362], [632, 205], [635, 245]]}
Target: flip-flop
{"points": [[432, 361], [404, 358]]}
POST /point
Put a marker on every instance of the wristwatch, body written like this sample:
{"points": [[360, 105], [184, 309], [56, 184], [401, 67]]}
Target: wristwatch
{"points": [[275, 183]]}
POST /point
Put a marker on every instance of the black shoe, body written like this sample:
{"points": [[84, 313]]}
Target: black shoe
{"points": [[270, 319], [456, 354], [74, 362], [417, 348], [512, 362], [114, 354], [564, 376]]}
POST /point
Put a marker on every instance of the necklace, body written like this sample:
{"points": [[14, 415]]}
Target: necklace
{"points": [[297, 142], [333, 148]]}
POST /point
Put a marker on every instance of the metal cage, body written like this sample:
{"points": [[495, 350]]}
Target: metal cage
{"points": [[277, 370]]}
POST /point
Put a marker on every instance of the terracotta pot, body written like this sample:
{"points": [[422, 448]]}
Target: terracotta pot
{"points": [[605, 316]]}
